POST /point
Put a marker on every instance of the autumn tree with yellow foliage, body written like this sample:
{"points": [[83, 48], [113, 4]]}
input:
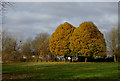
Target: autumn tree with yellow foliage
{"points": [[87, 40], [59, 40]]}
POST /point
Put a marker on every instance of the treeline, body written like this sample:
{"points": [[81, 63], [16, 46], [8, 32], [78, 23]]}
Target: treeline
{"points": [[14, 50], [68, 41]]}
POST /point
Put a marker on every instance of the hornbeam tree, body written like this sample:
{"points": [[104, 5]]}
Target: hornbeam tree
{"points": [[59, 40], [87, 40]]}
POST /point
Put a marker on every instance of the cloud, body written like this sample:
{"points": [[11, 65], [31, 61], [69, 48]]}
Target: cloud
{"points": [[30, 18]]}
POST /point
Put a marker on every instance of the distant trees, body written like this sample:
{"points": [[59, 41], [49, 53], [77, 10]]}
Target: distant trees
{"points": [[26, 51], [44, 50], [39, 39], [40, 45], [10, 47], [112, 42], [86, 40], [14, 50]]}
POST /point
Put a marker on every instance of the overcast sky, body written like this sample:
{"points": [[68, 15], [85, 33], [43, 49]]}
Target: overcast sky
{"points": [[27, 19]]}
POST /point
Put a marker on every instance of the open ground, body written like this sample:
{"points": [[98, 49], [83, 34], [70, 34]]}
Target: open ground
{"points": [[60, 70]]}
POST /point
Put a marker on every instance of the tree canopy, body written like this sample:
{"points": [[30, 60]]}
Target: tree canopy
{"points": [[59, 40], [87, 40], [39, 39]]}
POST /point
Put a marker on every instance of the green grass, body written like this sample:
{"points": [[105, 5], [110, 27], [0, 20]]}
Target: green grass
{"points": [[60, 70]]}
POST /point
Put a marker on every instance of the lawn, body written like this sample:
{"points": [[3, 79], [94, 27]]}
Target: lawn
{"points": [[60, 71]]}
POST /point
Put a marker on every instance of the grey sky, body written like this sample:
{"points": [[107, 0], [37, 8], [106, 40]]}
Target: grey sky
{"points": [[27, 19]]}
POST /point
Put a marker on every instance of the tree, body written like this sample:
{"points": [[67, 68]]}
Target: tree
{"points": [[10, 47], [39, 39], [118, 55], [37, 42], [4, 4], [87, 40], [112, 42], [59, 40], [44, 50], [27, 51]]}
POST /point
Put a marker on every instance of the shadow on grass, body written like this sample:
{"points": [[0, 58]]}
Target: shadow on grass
{"points": [[104, 79], [60, 72]]}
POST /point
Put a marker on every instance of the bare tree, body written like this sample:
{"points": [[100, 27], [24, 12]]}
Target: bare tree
{"points": [[4, 4], [10, 47], [38, 41], [112, 42], [26, 50], [44, 50]]}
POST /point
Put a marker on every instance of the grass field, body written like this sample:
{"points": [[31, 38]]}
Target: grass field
{"points": [[60, 70]]}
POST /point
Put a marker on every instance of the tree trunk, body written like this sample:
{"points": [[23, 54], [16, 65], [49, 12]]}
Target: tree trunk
{"points": [[115, 58], [85, 59], [65, 58], [71, 59]]}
